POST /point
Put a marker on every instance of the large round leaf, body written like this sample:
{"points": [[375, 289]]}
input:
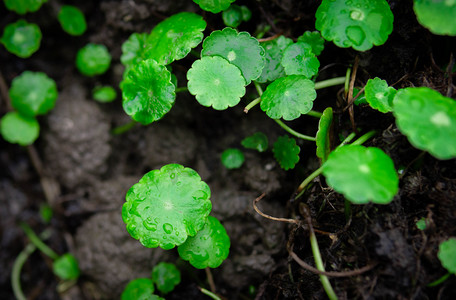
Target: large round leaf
{"points": [[298, 59], [173, 38], [362, 174], [208, 248], [437, 16], [288, 97], [355, 23], [428, 119], [239, 48], [273, 50], [214, 6], [215, 82], [147, 92], [166, 206]]}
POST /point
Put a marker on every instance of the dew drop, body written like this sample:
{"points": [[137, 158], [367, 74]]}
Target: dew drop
{"points": [[178, 183], [149, 224], [231, 55], [355, 34], [172, 176], [356, 15], [150, 243], [440, 119], [168, 228]]}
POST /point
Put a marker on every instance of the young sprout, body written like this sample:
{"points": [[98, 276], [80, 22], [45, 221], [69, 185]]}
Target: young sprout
{"points": [[314, 40], [286, 152], [66, 267], [104, 94], [140, 288], [72, 20], [428, 119], [437, 16], [235, 14], [258, 141], [355, 23], [214, 6], [166, 276], [379, 95], [447, 254], [18, 129], [232, 158], [23, 6], [21, 38], [323, 137], [273, 50], [93, 59], [298, 59]]}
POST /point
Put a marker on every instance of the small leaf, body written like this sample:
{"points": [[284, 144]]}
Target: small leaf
{"points": [[23, 6], [361, 98], [322, 138], [288, 97], [104, 94], [232, 158], [314, 40], [437, 16], [134, 49], [214, 6], [447, 254], [232, 16], [147, 92], [166, 206], [379, 95], [246, 13], [208, 248], [138, 289], [215, 82], [362, 174], [428, 119], [355, 23], [72, 20], [66, 267], [273, 68], [93, 59], [298, 59], [257, 141], [166, 276], [21, 38], [286, 152], [239, 48], [173, 38], [18, 129], [421, 224], [46, 213]]}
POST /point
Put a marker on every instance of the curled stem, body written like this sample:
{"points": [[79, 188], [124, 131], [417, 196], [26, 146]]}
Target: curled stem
{"points": [[295, 133]]}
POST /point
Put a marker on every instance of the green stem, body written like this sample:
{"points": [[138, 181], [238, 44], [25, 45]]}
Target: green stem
{"points": [[252, 104], [314, 113], [181, 89], [210, 294], [319, 264], [308, 180], [440, 280], [258, 88], [364, 138], [347, 140], [38, 242], [347, 209], [295, 133], [329, 82], [124, 128], [347, 81]]}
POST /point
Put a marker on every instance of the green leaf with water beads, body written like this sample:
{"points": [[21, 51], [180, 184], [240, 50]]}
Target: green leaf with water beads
{"points": [[257, 141], [166, 276], [139, 289], [437, 16], [239, 48], [104, 94], [314, 40], [447, 254], [428, 119], [214, 6], [66, 267], [147, 92], [23, 6], [298, 59], [288, 97], [232, 158], [18, 129], [215, 82], [166, 206], [208, 248], [286, 152], [362, 174], [21, 38], [323, 137], [72, 20], [273, 50], [360, 24], [93, 59], [379, 95]]}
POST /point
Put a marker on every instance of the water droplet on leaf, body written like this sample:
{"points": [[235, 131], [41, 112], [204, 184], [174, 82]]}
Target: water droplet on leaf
{"points": [[168, 228]]}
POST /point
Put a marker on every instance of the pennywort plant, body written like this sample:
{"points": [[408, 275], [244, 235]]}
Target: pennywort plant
{"points": [[24, 6], [72, 20], [21, 38]]}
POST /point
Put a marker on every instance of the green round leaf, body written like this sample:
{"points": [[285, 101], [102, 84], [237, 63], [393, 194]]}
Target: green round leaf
{"points": [[33, 93], [246, 13], [232, 17], [147, 92], [18, 129], [166, 276], [23, 6], [166, 206], [314, 40], [232, 158], [437, 16], [214, 6], [286, 152], [288, 97], [421, 224], [66, 267], [428, 119], [173, 38], [379, 95], [257, 141], [239, 48], [72, 20], [298, 59], [21, 38], [134, 49], [104, 94], [447, 254], [355, 23], [138, 289], [273, 50], [93, 59], [362, 174], [208, 248], [322, 138], [215, 82]]}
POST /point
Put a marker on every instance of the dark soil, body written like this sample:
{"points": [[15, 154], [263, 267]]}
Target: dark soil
{"points": [[86, 170]]}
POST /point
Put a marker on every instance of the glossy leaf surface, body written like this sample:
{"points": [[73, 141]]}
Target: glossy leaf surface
{"points": [[298, 59], [379, 95], [437, 16]]}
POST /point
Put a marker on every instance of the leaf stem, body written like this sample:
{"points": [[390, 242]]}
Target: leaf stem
{"points": [[347, 140], [181, 89], [252, 104], [307, 181], [347, 81], [258, 88], [210, 294], [364, 138], [329, 82], [314, 113], [439, 281], [123, 128], [34, 239], [295, 133]]}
